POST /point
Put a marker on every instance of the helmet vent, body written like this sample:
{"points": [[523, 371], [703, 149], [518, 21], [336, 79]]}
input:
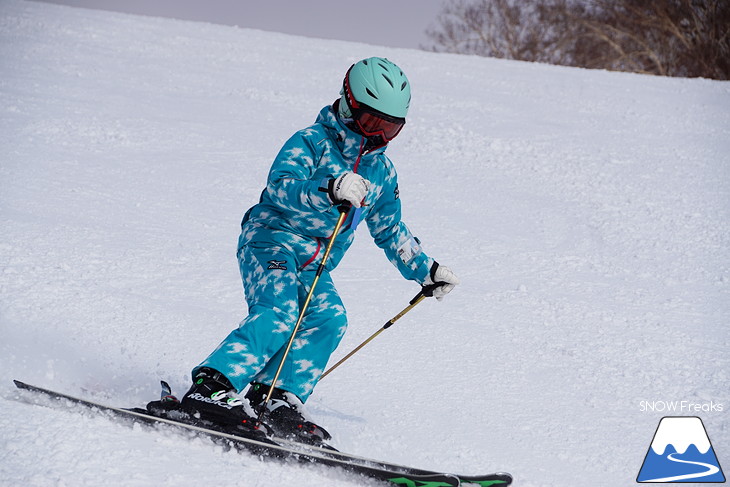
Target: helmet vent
{"points": [[403, 86], [389, 81], [371, 93]]}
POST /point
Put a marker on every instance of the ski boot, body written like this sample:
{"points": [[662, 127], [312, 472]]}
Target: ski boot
{"points": [[284, 416], [211, 401]]}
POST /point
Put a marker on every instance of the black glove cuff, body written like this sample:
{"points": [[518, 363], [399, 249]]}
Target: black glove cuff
{"points": [[331, 192], [433, 270]]}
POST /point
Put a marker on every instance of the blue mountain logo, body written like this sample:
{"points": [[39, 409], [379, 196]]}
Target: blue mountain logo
{"points": [[681, 452]]}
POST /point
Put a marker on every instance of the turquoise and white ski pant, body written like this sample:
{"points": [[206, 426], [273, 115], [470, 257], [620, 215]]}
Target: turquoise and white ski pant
{"points": [[275, 291]]}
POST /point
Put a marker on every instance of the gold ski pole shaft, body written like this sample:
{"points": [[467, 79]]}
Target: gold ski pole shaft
{"points": [[320, 269], [427, 291]]}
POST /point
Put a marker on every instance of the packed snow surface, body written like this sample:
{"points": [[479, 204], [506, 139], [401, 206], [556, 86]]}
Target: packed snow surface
{"points": [[587, 214]]}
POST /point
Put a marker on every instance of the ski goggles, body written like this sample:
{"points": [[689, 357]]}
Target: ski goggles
{"points": [[370, 121]]}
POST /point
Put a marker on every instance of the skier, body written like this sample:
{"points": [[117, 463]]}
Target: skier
{"points": [[339, 160]]}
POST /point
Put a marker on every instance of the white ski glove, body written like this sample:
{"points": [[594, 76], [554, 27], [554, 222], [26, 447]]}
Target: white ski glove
{"points": [[349, 187], [443, 278]]}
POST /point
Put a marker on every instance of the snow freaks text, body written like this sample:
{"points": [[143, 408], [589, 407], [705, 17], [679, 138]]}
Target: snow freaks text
{"points": [[680, 407]]}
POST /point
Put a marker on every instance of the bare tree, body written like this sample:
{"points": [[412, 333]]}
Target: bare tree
{"points": [[494, 28], [665, 37]]}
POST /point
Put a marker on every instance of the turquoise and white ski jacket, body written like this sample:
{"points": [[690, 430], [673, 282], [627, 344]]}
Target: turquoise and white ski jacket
{"points": [[295, 211]]}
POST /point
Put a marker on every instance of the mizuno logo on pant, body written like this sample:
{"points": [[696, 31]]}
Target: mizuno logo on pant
{"points": [[277, 265]]}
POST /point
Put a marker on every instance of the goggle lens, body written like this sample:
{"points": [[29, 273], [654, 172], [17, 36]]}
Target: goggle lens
{"points": [[373, 124]]}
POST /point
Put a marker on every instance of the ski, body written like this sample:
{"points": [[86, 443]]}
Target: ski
{"points": [[501, 479], [282, 449]]}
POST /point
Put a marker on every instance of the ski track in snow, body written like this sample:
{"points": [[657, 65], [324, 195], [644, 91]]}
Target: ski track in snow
{"points": [[587, 214]]}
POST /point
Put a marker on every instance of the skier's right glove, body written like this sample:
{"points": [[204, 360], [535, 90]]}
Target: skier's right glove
{"points": [[443, 278], [348, 188]]}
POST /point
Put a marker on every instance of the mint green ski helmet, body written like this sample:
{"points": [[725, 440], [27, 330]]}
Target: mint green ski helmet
{"points": [[379, 84]]}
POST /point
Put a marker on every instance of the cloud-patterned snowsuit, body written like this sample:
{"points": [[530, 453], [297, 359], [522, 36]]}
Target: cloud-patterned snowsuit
{"points": [[282, 242]]}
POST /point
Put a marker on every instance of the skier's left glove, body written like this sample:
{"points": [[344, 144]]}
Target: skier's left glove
{"points": [[443, 278]]}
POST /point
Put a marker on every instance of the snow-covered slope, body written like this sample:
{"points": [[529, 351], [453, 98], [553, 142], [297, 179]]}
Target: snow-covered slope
{"points": [[587, 214]]}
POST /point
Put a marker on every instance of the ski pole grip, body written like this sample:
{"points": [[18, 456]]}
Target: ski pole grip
{"points": [[427, 291]]}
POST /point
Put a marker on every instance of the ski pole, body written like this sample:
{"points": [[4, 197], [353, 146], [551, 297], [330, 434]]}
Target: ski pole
{"points": [[426, 291], [343, 214]]}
